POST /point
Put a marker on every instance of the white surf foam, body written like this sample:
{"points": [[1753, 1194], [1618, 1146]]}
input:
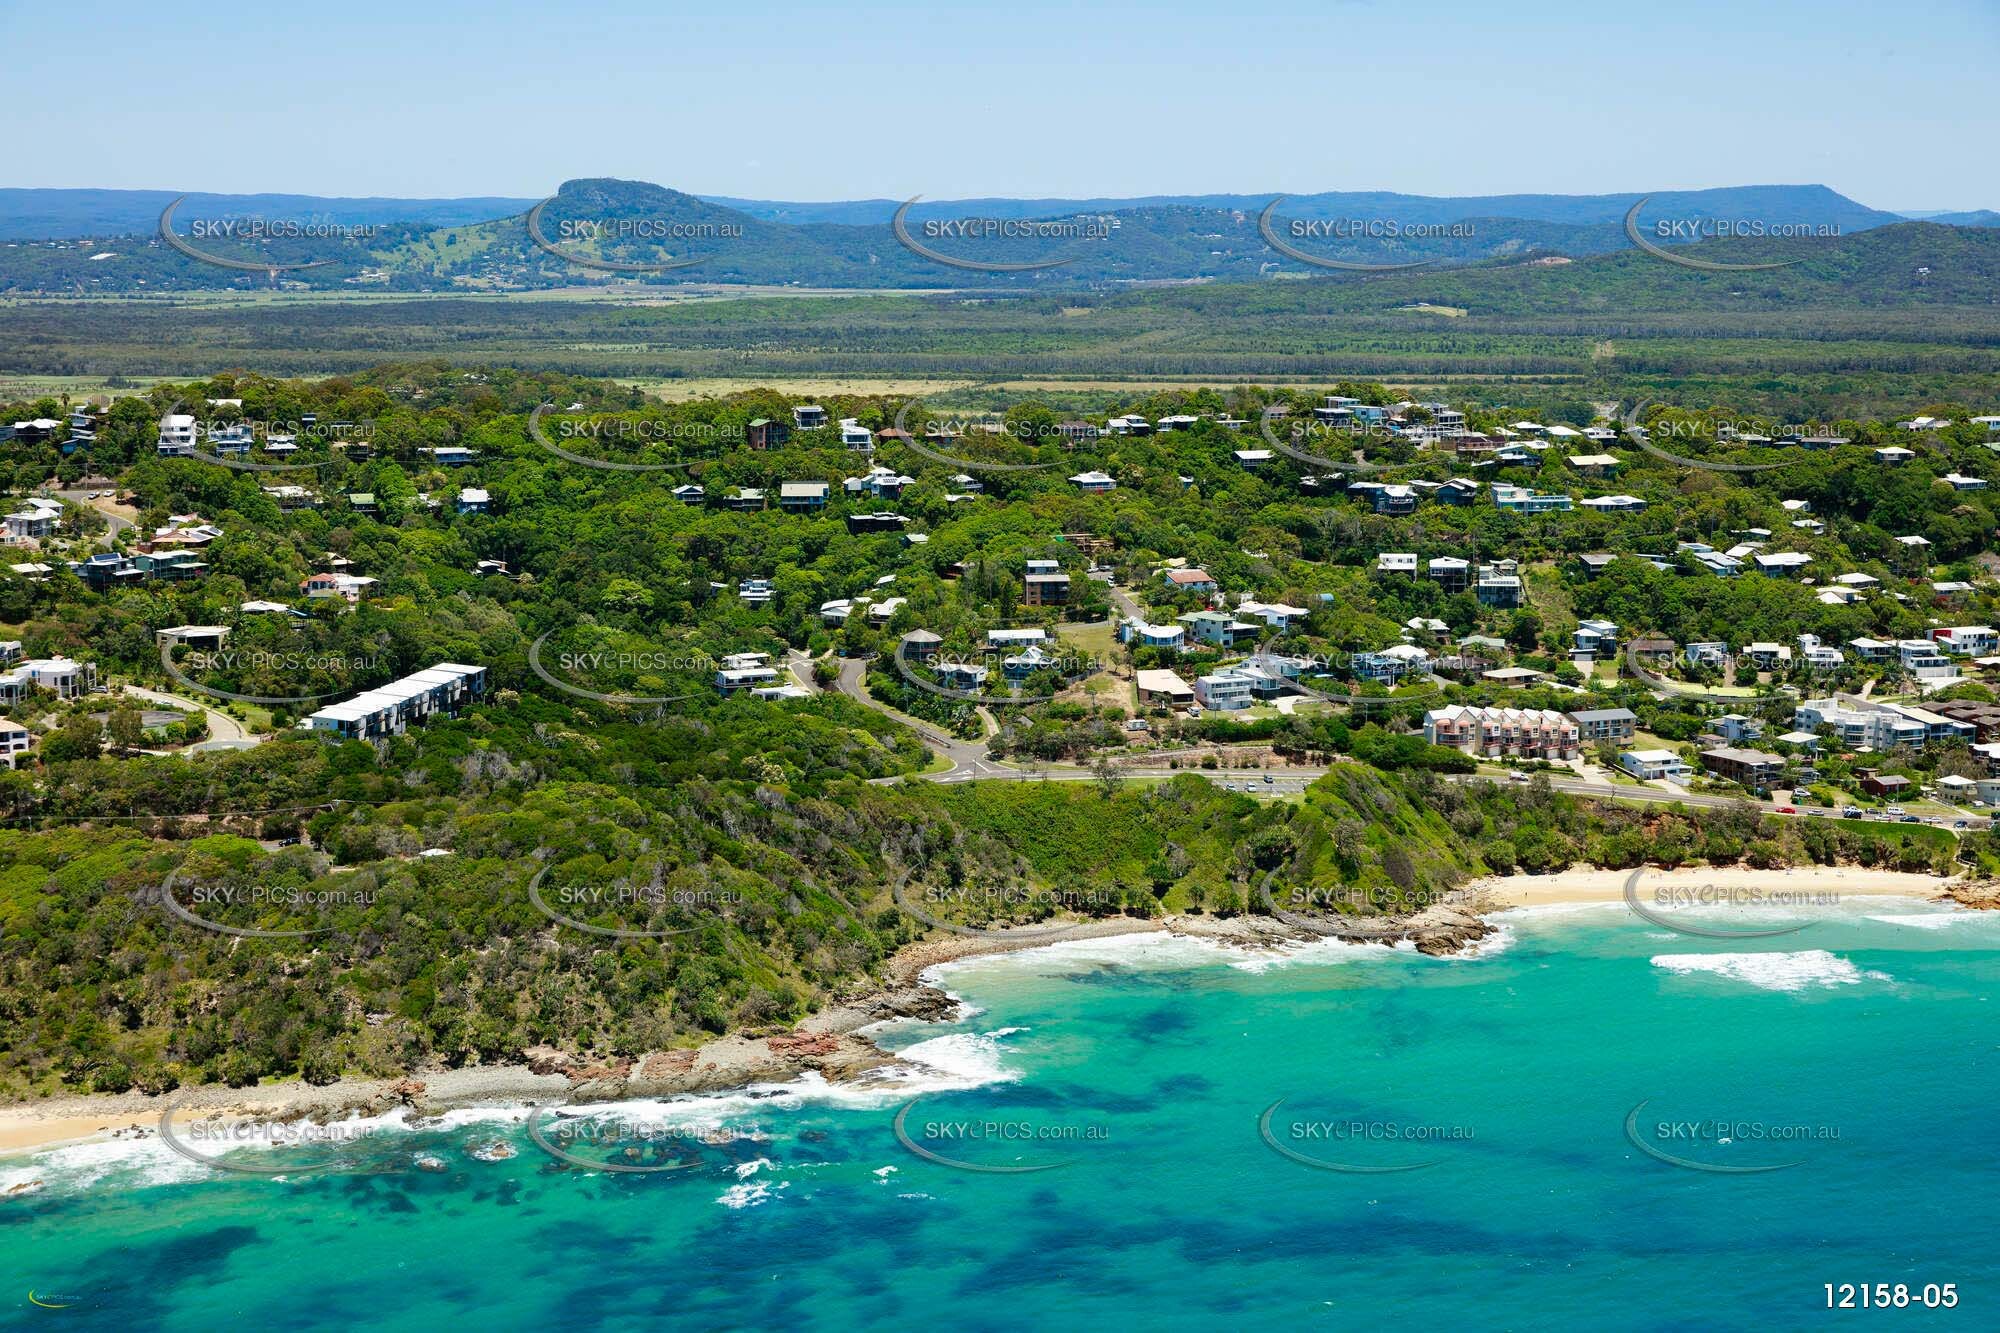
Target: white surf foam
{"points": [[1771, 971]]}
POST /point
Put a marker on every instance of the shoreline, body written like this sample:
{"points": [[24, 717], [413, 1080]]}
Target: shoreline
{"points": [[1742, 883], [831, 1041]]}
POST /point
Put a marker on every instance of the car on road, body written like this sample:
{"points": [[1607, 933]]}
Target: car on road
{"points": [[1268, 779], [1961, 823], [1788, 809], [1894, 812], [1851, 812], [1912, 819], [1516, 775]]}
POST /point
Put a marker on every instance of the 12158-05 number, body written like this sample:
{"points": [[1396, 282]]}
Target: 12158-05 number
{"points": [[1881, 1296]]}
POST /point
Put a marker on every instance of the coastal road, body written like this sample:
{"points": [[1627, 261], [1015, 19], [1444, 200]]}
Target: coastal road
{"points": [[1605, 791], [224, 731], [801, 666], [115, 520], [968, 758]]}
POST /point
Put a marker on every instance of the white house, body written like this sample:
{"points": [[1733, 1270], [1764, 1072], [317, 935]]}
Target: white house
{"points": [[1652, 765], [177, 436]]}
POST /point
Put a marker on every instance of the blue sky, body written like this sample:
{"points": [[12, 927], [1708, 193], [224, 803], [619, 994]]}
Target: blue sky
{"points": [[1892, 104]]}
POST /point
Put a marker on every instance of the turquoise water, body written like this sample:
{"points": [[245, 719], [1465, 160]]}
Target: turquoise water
{"points": [[1139, 1069]]}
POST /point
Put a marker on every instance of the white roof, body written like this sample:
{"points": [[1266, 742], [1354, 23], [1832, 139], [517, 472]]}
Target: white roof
{"points": [[396, 691]]}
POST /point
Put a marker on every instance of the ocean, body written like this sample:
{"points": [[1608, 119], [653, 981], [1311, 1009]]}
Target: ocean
{"points": [[1593, 1123]]}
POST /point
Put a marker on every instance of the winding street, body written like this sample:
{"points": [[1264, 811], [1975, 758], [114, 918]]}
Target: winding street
{"points": [[224, 731]]}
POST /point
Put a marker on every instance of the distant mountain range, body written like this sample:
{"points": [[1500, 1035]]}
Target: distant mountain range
{"points": [[107, 241]]}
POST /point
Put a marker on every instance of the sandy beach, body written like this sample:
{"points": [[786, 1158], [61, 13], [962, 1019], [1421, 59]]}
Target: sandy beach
{"points": [[1608, 886], [830, 1042]]}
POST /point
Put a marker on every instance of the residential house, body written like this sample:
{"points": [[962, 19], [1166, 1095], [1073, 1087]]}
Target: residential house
{"points": [[1225, 691], [193, 636], [1733, 727], [61, 676], [1522, 733], [353, 587], [1454, 573], [1767, 656], [15, 741], [1776, 564], [177, 436], [1967, 640], [1045, 589], [38, 519], [1595, 639], [1888, 786], [1190, 580], [881, 482], [1591, 564], [1027, 662], [856, 437], [1218, 628], [1497, 586], [803, 496], [1655, 765], [1920, 658], [389, 711], [472, 500], [1275, 614], [1755, 769], [1522, 500], [1094, 482], [744, 671], [1152, 636], [1391, 664], [808, 416], [764, 433], [1596, 725]]}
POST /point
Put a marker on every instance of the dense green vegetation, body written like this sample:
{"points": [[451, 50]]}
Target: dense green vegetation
{"points": [[776, 869], [769, 832], [1867, 325]]}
